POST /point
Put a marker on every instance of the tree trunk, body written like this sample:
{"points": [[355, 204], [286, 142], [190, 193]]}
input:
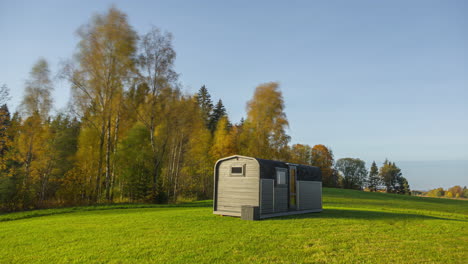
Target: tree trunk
{"points": [[177, 168], [108, 152], [116, 133], [154, 173], [101, 152]]}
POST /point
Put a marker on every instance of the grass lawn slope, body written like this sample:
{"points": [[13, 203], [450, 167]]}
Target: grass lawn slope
{"points": [[355, 227]]}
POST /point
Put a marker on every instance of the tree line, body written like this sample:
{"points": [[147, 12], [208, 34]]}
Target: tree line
{"points": [[453, 192], [351, 173], [129, 133]]}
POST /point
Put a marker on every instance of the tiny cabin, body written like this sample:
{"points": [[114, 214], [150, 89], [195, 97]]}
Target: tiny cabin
{"points": [[254, 188]]}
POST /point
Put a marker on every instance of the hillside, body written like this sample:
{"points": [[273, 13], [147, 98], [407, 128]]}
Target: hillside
{"points": [[355, 226]]}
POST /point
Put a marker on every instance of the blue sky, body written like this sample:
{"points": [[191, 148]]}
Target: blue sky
{"points": [[370, 79]]}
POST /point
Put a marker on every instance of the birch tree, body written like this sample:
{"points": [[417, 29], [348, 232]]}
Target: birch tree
{"points": [[223, 140], [264, 130], [33, 140], [157, 86], [104, 63], [37, 94], [301, 154]]}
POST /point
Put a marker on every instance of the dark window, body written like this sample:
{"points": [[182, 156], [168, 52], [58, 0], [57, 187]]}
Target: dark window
{"points": [[236, 170]]}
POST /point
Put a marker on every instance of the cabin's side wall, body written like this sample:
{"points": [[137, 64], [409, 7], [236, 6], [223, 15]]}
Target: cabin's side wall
{"points": [[281, 198], [309, 195], [234, 191], [267, 190], [274, 196]]}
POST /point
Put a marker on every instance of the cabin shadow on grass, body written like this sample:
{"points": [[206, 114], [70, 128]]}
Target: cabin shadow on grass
{"points": [[362, 215]]}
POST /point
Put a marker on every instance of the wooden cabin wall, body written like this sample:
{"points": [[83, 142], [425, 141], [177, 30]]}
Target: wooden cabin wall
{"points": [[235, 191], [281, 198], [267, 192], [274, 199], [309, 195]]}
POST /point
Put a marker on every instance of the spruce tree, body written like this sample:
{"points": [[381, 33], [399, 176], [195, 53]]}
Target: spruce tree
{"points": [[4, 94], [206, 105], [390, 176], [218, 112], [374, 179], [402, 186], [241, 122], [5, 140]]}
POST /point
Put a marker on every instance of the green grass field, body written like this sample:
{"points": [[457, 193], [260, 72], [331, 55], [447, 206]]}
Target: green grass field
{"points": [[355, 227]]}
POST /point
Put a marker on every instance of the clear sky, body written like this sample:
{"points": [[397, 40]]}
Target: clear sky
{"points": [[370, 79]]}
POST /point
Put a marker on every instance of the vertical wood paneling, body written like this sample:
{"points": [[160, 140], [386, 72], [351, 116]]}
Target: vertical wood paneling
{"points": [[266, 206], [281, 199], [234, 191], [310, 195]]}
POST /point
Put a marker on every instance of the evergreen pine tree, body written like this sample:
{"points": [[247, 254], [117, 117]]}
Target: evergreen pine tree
{"points": [[4, 94], [402, 186], [4, 124], [374, 179], [203, 98], [390, 176], [218, 112]]}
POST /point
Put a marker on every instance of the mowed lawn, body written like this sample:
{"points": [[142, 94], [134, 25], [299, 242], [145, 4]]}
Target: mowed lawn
{"points": [[355, 227]]}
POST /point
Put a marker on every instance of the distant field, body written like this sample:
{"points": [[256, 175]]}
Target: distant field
{"points": [[355, 227]]}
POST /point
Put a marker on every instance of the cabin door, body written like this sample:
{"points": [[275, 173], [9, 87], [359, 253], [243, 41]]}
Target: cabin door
{"points": [[292, 188]]}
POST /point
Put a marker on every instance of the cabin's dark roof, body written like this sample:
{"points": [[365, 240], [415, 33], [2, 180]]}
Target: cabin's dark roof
{"points": [[304, 172], [308, 173], [267, 168]]}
